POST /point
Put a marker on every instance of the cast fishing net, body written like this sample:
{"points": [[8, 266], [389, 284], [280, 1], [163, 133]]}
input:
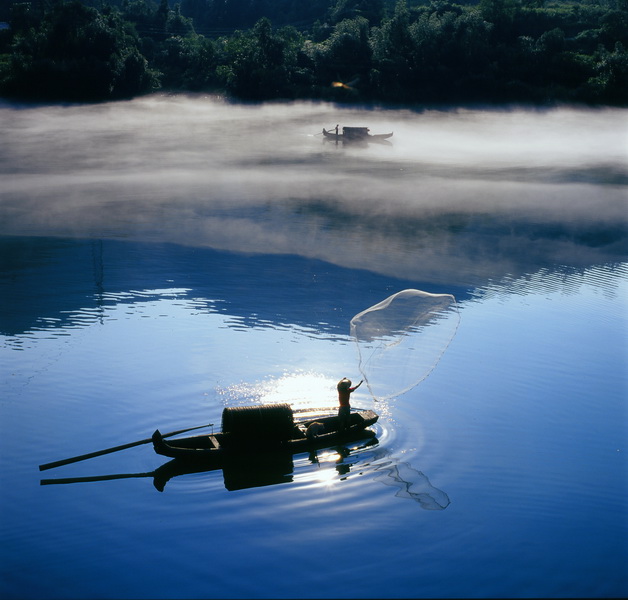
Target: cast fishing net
{"points": [[401, 339]]}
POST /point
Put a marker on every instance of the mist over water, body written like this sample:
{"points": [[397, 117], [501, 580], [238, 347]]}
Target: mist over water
{"points": [[460, 195]]}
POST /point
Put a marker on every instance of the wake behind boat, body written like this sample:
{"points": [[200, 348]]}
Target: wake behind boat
{"points": [[270, 428], [359, 135]]}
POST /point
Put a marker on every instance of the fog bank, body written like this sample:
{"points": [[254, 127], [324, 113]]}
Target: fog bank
{"points": [[458, 196]]}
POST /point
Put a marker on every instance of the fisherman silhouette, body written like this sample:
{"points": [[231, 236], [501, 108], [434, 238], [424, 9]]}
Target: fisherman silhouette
{"points": [[344, 395]]}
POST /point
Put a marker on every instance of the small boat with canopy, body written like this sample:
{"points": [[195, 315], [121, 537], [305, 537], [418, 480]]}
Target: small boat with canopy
{"points": [[274, 427], [355, 135]]}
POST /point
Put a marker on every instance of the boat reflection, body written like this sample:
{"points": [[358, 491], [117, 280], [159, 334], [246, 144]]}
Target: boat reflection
{"points": [[251, 471], [341, 453], [236, 476], [239, 472]]}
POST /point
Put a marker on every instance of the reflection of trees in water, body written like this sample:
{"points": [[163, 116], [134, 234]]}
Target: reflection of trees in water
{"points": [[412, 485]]}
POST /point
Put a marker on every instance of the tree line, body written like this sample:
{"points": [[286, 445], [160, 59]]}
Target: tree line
{"points": [[396, 51]]}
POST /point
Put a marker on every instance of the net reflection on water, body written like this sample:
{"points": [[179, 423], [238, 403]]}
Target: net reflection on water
{"points": [[412, 484]]}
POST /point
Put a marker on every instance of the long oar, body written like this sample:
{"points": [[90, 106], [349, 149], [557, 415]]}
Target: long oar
{"points": [[74, 459]]}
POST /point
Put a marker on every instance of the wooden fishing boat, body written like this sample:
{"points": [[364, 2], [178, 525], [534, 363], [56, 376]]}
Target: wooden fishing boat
{"points": [[271, 428], [355, 135]]}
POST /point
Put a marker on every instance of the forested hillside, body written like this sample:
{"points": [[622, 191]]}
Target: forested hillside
{"points": [[404, 51]]}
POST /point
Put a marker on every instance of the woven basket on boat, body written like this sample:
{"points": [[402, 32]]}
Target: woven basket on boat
{"points": [[273, 422]]}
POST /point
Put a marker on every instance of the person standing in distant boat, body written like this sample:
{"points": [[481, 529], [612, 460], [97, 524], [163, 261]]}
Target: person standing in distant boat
{"points": [[344, 395]]}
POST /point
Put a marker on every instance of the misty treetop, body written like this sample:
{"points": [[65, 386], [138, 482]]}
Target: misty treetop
{"points": [[406, 51]]}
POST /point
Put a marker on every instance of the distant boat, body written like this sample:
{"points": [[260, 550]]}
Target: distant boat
{"points": [[353, 135], [270, 428]]}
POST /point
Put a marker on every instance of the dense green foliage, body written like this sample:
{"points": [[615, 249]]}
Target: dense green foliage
{"points": [[347, 50]]}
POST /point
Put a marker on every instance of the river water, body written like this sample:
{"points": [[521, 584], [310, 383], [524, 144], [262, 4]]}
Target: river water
{"points": [[166, 257]]}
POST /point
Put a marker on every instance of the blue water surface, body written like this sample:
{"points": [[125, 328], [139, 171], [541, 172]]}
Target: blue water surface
{"points": [[143, 290]]}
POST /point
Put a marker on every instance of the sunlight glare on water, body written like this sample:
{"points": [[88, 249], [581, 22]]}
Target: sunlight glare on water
{"points": [[301, 389]]}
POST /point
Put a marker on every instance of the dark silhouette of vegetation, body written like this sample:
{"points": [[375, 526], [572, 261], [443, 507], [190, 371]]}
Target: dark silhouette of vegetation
{"points": [[73, 52], [421, 51]]}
